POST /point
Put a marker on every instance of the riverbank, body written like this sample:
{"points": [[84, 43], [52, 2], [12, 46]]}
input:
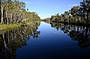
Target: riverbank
{"points": [[8, 26]]}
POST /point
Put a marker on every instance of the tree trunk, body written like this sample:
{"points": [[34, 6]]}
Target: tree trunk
{"points": [[87, 17], [6, 17], [0, 11], [1, 15], [11, 18]]}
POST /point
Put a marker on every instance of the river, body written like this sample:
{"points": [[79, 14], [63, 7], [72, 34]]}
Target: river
{"points": [[46, 41]]}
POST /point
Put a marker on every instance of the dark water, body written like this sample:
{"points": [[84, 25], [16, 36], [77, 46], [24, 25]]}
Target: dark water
{"points": [[46, 41]]}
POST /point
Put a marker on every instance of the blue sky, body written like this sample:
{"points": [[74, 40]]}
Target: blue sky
{"points": [[46, 8]]}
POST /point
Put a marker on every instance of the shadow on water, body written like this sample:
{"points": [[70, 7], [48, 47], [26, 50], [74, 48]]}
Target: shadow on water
{"points": [[77, 33], [10, 41]]}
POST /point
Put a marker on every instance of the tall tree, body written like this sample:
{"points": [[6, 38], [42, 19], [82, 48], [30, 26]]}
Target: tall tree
{"points": [[85, 7], [66, 16], [0, 10], [75, 12]]}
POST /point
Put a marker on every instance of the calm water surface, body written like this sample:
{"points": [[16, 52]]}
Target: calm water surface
{"points": [[46, 41]]}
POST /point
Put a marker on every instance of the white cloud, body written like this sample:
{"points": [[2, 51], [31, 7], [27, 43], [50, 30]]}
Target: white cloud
{"points": [[28, 2]]}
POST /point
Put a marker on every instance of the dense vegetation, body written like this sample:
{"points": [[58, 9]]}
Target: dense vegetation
{"points": [[14, 12], [77, 14]]}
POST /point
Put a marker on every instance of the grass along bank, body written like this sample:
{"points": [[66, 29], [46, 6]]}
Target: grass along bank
{"points": [[8, 26]]}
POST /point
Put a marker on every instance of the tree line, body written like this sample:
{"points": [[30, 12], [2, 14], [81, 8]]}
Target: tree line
{"points": [[77, 14], [15, 12]]}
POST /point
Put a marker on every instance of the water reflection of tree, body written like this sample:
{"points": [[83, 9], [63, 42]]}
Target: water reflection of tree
{"points": [[12, 40], [78, 33]]}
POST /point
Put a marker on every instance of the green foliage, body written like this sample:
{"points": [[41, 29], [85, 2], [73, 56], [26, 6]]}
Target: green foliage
{"points": [[9, 26], [15, 12], [77, 14]]}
